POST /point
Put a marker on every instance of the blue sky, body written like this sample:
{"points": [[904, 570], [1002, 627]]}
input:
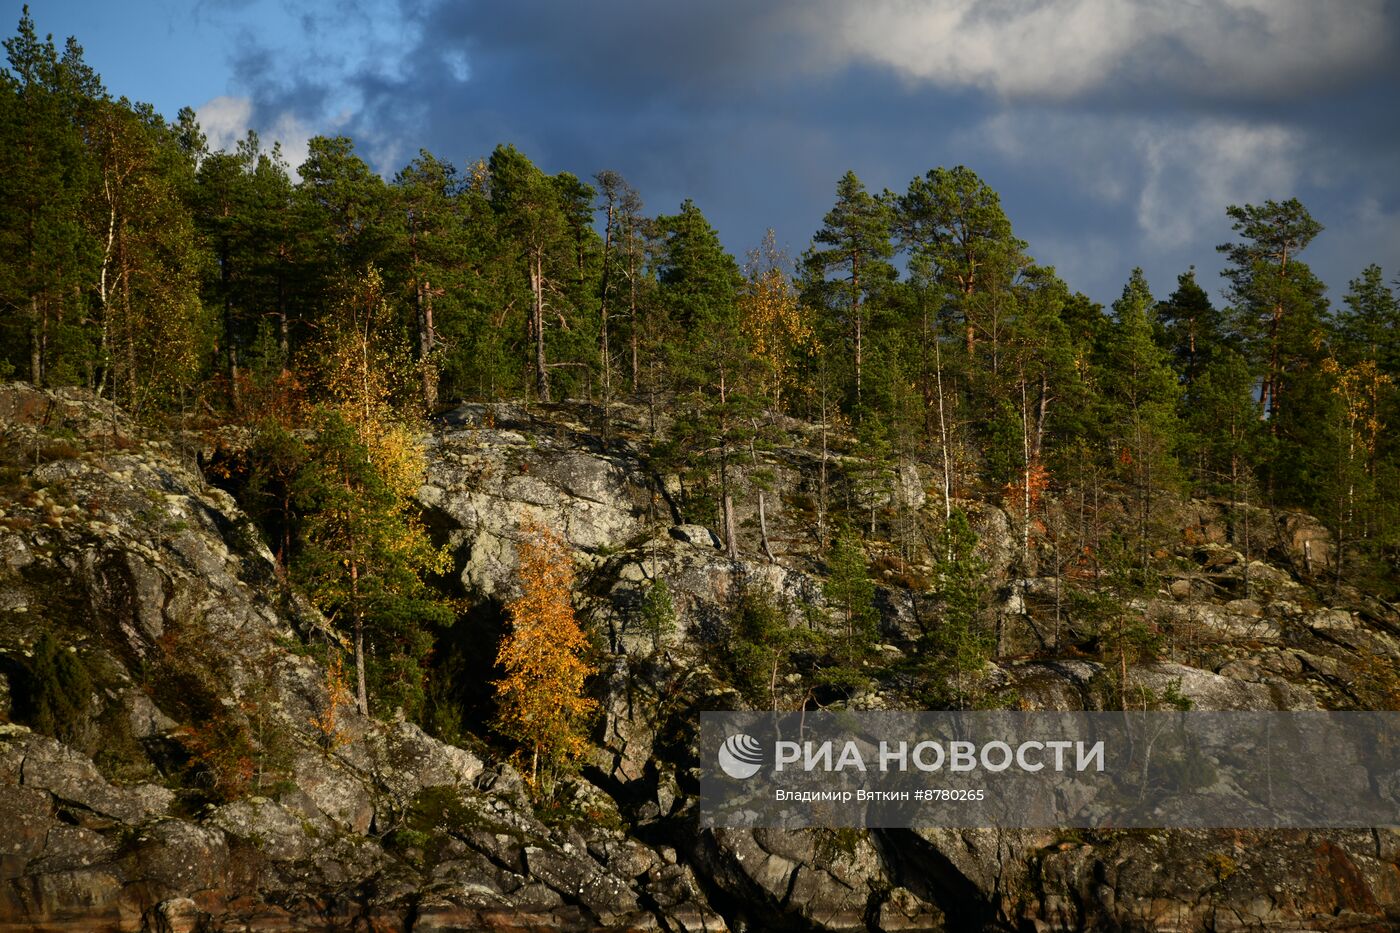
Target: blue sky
{"points": [[1116, 131]]}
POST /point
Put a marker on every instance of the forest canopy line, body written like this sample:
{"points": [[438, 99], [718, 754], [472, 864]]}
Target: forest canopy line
{"points": [[173, 279]]}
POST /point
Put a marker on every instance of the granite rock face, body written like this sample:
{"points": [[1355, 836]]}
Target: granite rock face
{"points": [[156, 582], [154, 579]]}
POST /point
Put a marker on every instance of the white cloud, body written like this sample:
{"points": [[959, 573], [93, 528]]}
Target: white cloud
{"points": [[289, 130], [1059, 49], [1191, 174], [1176, 176], [1086, 149], [457, 65], [1379, 228], [226, 120]]}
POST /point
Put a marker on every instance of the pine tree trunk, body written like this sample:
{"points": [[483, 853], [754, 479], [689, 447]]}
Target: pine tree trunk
{"points": [[1246, 544], [283, 340], [537, 314], [731, 542], [1269, 397], [822, 488], [361, 691], [967, 313], [36, 353], [763, 528], [632, 312], [230, 346], [603, 313], [856, 314], [1025, 486], [943, 444], [762, 507], [731, 537], [427, 372]]}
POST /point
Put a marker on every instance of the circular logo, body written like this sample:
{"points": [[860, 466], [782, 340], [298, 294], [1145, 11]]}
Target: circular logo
{"points": [[741, 756]]}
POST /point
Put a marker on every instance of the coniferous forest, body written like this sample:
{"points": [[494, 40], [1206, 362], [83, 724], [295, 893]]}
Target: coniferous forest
{"points": [[371, 546], [328, 313]]}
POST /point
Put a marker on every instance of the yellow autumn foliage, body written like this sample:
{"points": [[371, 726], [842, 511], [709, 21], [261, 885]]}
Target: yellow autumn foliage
{"points": [[773, 319], [540, 698], [1360, 388], [360, 379]]}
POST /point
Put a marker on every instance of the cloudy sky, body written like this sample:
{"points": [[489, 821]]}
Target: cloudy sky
{"points": [[1116, 131]]}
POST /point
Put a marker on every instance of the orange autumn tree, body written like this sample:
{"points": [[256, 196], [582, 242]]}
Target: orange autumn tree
{"points": [[540, 698]]}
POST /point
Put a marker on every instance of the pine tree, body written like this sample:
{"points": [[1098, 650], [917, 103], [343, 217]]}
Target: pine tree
{"points": [[700, 282], [485, 344], [710, 364], [658, 613], [1368, 325], [48, 256], [936, 384], [617, 198], [1190, 328], [1140, 392], [760, 647], [364, 555], [846, 268], [273, 268], [1223, 421], [1040, 380], [155, 335], [541, 697], [222, 198], [427, 198], [1276, 298], [954, 651], [530, 213], [954, 221], [344, 214], [850, 595]]}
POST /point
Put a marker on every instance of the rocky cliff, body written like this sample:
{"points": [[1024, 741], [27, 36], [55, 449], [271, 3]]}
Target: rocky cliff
{"points": [[166, 762]]}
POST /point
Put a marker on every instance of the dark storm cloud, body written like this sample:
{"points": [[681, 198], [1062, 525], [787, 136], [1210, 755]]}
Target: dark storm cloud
{"points": [[628, 48], [1116, 130], [1058, 49]]}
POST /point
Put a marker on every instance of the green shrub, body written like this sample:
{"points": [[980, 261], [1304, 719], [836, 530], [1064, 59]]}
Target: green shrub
{"points": [[658, 616], [757, 653], [854, 629], [56, 696]]}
